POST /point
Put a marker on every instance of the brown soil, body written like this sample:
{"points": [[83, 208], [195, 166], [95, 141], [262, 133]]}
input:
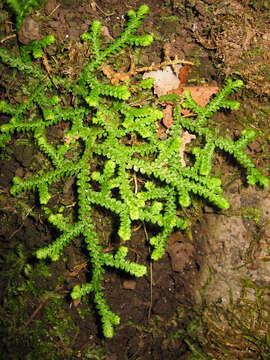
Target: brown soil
{"points": [[156, 308]]}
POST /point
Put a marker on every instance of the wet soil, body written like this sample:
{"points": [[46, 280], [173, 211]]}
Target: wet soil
{"points": [[159, 312]]}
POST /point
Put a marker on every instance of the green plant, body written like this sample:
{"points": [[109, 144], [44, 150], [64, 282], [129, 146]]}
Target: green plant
{"points": [[121, 142]]}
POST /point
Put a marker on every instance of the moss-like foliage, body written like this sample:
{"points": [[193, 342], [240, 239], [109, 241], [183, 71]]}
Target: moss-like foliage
{"points": [[123, 141]]}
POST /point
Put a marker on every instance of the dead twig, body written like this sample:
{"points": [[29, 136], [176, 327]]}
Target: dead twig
{"points": [[54, 10], [7, 37], [19, 228], [151, 276]]}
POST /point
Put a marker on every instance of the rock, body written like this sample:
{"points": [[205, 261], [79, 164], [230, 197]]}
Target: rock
{"points": [[182, 255], [29, 31], [19, 172], [24, 154], [129, 284], [232, 248]]}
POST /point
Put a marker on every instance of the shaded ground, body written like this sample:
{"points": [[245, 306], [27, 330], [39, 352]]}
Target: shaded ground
{"points": [[159, 319]]}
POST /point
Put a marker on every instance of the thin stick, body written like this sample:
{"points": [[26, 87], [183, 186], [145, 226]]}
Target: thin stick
{"points": [[34, 314], [163, 64], [8, 37], [22, 224], [54, 10], [151, 276]]}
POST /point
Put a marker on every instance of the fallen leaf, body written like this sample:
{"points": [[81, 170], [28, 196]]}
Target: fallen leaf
{"points": [[183, 74], [202, 94], [106, 33], [186, 138], [114, 76], [161, 131], [93, 5], [168, 116], [165, 80], [76, 302]]}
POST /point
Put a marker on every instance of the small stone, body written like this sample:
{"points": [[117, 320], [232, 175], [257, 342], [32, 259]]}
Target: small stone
{"points": [[19, 172], [24, 155], [29, 31], [129, 284], [182, 255], [266, 36]]}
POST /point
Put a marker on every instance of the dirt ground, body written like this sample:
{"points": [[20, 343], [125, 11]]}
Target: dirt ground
{"points": [[176, 311]]}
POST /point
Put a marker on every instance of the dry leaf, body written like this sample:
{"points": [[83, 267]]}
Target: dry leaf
{"points": [[161, 131], [76, 302], [165, 80], [93, 5], [186, 138], [168, 116], [106, 33], [183, 74], [114, 76], [202, 94]]}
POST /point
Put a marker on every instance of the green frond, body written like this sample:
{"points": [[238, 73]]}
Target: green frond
{"points": [[119, 92], [22, 126], [94, 38], [17, 62], [35, 48], [33, 183], [247, 136], [159, 243], [190, 103], [230, 104], [206, 158], [142, 11], [79, 291], [54, 250], [44, 195], [220, 101], [4, 138], [143, 40], [48, 149], [255, 176], [93, 98], [147, 83], [171, 97], [118, 261], [108, 325], [184, 198], [133, 268], [125, 225], [59, 221], [133, 24], [7, 108]]}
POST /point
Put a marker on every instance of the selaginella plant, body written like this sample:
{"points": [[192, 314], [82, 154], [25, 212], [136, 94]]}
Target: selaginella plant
{"points": [[121, 140]]}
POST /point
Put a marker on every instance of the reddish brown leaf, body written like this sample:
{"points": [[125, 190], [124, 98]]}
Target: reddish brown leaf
{"points": [[202, 94], [168, 116]]}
